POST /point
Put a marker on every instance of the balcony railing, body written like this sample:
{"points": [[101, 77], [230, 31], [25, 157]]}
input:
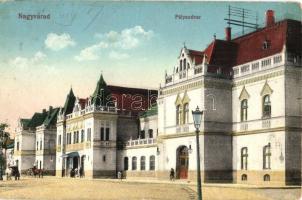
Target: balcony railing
{"points": [[78, 146], [92, 108], [147, 141], [259, 124], [261, 64]]}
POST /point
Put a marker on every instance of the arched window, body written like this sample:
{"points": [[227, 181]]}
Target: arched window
{"points": [[244, 110], [266, 177], [152, 163], [244, 156], [180, 65], [267, 156], [82, 135], [178, 114], [266, 113], [143, 163], [126, 163], [244, 177], [185, 64], [134, 163], [186, 113]]}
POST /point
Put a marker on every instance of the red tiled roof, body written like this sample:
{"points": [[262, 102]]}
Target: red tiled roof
{"points": [[133, 99], [196, 55], [249, 47]]}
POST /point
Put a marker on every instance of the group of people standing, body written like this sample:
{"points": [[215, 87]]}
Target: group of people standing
{"points": [[75, 172]]}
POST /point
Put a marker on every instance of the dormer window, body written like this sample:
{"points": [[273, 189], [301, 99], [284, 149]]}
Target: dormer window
{"points": [[265, 44], [185, 64]]}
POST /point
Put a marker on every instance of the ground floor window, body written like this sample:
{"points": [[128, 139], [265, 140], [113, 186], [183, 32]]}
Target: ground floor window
{"points": [[152, 162], [266, 177], [134, 163], [143, 163], [244, 177]]}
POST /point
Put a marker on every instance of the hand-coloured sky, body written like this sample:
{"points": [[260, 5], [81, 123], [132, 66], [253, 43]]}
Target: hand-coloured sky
{"points": [[132, 43]]}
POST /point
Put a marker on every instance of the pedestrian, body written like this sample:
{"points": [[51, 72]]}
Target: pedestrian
{"points": [[81, 172], [17, 174], [172, 175]]}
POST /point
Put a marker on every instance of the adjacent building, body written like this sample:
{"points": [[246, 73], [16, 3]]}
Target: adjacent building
{"points": [[35, 142]]}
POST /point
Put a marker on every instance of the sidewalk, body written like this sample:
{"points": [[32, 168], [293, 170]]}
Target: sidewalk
{"points": [[179, 182]]}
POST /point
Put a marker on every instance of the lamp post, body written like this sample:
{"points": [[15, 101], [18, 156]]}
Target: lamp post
{"points": [[197, 114]]}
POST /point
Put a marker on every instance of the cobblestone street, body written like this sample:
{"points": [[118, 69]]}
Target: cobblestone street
{"points": [[57, 188]]}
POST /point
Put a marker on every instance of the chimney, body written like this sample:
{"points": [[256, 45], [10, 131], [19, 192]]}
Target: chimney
{"points": [[50, 108], [228, 33], [44, 111], [270, 18]]}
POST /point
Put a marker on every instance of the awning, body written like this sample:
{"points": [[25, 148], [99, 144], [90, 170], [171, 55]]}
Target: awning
{"points": [[71, 155]]}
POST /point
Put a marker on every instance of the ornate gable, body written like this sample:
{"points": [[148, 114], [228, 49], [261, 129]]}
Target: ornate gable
{"points": [[266, 89], [186, 98], [244, 94], [178, 100]]}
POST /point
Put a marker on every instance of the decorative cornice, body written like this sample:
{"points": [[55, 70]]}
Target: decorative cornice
{"points": [[258, 78], [278, 129], [141, 146], [206, 83]]}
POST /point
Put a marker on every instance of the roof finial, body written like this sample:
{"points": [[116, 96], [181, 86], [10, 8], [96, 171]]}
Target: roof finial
{"points": [[214, 36], [184, 45]]}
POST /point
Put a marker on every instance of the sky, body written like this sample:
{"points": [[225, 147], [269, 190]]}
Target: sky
{"points": [[131, 43]]}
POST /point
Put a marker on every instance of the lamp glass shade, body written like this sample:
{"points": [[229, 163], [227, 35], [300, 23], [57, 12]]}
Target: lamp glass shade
{"points": [[197, 117]]}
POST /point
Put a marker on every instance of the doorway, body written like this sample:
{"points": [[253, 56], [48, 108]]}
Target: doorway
{"points": [[182, 162]]}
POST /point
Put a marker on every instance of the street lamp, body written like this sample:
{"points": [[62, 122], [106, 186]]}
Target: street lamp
{"points": [[197, 114]]}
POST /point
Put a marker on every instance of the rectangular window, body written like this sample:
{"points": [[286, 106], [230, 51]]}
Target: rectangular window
{"points": [[37, 146], [150, 131], [142, 136], [41, 145], [59, 140], [107, 134], [102, 134], [78, 136], [17, 146], [74, 137], [89, 134], [68, 138], [82, 136]]}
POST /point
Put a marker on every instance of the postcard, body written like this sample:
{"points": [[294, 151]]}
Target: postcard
{"points": [[150, 100]]}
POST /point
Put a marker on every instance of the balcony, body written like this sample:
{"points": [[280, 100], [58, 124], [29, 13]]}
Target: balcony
{"points": [[92, 109], [78, 146], [260, 124], [141, 142], [259, 65]]}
